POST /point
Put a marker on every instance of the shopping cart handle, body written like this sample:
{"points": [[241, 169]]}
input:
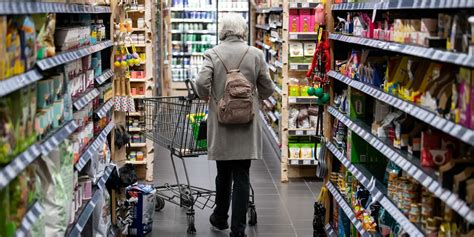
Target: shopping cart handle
{"points": [[191, 87]]}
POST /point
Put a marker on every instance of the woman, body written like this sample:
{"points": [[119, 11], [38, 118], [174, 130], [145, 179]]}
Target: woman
{"points": [[233, 146]]}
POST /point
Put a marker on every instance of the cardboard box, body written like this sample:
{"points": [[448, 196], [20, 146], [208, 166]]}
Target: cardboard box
{"points": [[294, 21]]}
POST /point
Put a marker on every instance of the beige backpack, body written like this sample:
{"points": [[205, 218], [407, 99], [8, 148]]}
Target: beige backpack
{"points": [[236, 106]]}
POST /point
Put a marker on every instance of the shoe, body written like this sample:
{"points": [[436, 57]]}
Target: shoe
{"points": [[232, 234], [216, 224]]}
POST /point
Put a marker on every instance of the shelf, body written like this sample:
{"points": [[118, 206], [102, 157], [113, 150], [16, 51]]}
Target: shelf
{"points": [[104, 109], [193, 32], [272, 52], [271, 67], [275, 40], [58, 137], [136, 114], [14, 83], [263, 10], [191, 9], [104, 77], [278, 64], [138, 29], [66, 57], [303, 5], [192, 42], [136, 45], [302, 162], [134, 129], [346, 208], [138, 79], [302, 131], [329, 230], [278, 90], [440, 55], [31, 216], [376, 194], [233, 9], [303, 100], [458, 131], [94, 147], [276, 140], [300, 66], [141, 10], [187, 54], [275, 25], [176, 20], [272, 116], [103, 180], [83, 218], [86, 99], [138, 96], [262, 27], [137, 145], [18, 164], [409, 164], [403, 4], [303, 36], [136, 162], [17, 8]]}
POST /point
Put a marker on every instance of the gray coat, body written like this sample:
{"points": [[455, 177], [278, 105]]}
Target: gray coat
{"points": [[233, 142]]}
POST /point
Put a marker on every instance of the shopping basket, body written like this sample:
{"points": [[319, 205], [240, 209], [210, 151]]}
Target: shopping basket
{"points": [[178, 123]]}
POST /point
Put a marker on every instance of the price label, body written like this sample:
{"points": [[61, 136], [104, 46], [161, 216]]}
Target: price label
{"points": [[293, 36], [293, 66], [305, 5], [293, 5], [307, 162]]}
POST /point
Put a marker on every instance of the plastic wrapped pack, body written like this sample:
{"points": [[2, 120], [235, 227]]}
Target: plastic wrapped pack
{"points": [[102, 215]]}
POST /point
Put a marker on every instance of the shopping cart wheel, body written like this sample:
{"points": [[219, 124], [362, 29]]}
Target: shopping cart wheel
{"points": [[160, 203], [191, 226], [252, 212]]}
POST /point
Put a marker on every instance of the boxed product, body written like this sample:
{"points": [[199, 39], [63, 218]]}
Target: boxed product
{"points": [[28, 41], [309, 49], [296, 50], [294, 21], [15, 65], [45, 37], [306, 21], [464, 104]]}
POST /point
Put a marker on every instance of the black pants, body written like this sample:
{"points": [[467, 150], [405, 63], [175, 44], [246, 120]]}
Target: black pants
{"points": [[238, 172]]}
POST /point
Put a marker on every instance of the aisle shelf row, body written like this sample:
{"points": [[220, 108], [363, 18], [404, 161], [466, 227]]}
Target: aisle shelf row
{"points": [[88, 208], [31, 216], [303, 5], [94, 147], [461, 59], [347, 209], [20, 162], [104, 77], [105, 108], [303, 36], [409, 164], [17, 82], [303, 162], [276, 140], [202, 9], [185, 20], [376, 193], [302, 131], [300, 66], [429, 117], [192, 32], [86, 99], [19, 7], [262, 27], [103, 180], [329, 230], [65, 57], [136, 162], [404, 4], [311, 100], [263, 10]]}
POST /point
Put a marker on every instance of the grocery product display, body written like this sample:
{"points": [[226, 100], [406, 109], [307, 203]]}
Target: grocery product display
{"points": [[193, 30]]}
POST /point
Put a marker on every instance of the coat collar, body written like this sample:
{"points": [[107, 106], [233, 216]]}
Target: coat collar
{"points": [[232, 38]]}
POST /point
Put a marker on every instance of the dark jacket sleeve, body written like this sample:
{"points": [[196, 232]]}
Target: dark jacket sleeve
{"points": [[204, 81], [265, 85]]}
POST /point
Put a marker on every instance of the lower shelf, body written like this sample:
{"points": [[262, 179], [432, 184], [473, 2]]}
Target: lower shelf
{"points": [[136, 162], [303, 162]]}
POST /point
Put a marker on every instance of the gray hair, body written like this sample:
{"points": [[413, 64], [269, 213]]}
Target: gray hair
{"points": [[233, 24]]}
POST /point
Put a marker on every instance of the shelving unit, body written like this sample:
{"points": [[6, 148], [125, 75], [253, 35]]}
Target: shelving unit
{"points": [[374, 160], [51, 136]]}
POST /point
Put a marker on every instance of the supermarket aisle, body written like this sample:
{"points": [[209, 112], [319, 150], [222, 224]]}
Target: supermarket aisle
{"points": [[284, 210]]}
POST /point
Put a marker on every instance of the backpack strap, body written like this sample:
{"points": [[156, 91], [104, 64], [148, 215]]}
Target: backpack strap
{"points": [[225, 66]]}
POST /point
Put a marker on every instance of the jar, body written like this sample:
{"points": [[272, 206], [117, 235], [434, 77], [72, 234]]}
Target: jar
{"points": [[132, 155], [140, 156]]}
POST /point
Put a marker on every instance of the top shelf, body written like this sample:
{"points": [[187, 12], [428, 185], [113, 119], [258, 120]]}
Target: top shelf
{"points": [[303, 5], [404, 4], [269, 10], [14, 8]]}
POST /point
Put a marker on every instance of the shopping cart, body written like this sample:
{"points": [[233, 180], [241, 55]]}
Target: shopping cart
{"points": [[178, 124]]}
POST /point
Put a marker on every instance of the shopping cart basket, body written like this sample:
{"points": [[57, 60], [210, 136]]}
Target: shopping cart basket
{"points": [[178, 124]]}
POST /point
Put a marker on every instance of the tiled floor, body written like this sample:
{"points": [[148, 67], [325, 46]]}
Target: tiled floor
{"points": [[283, 209]]}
